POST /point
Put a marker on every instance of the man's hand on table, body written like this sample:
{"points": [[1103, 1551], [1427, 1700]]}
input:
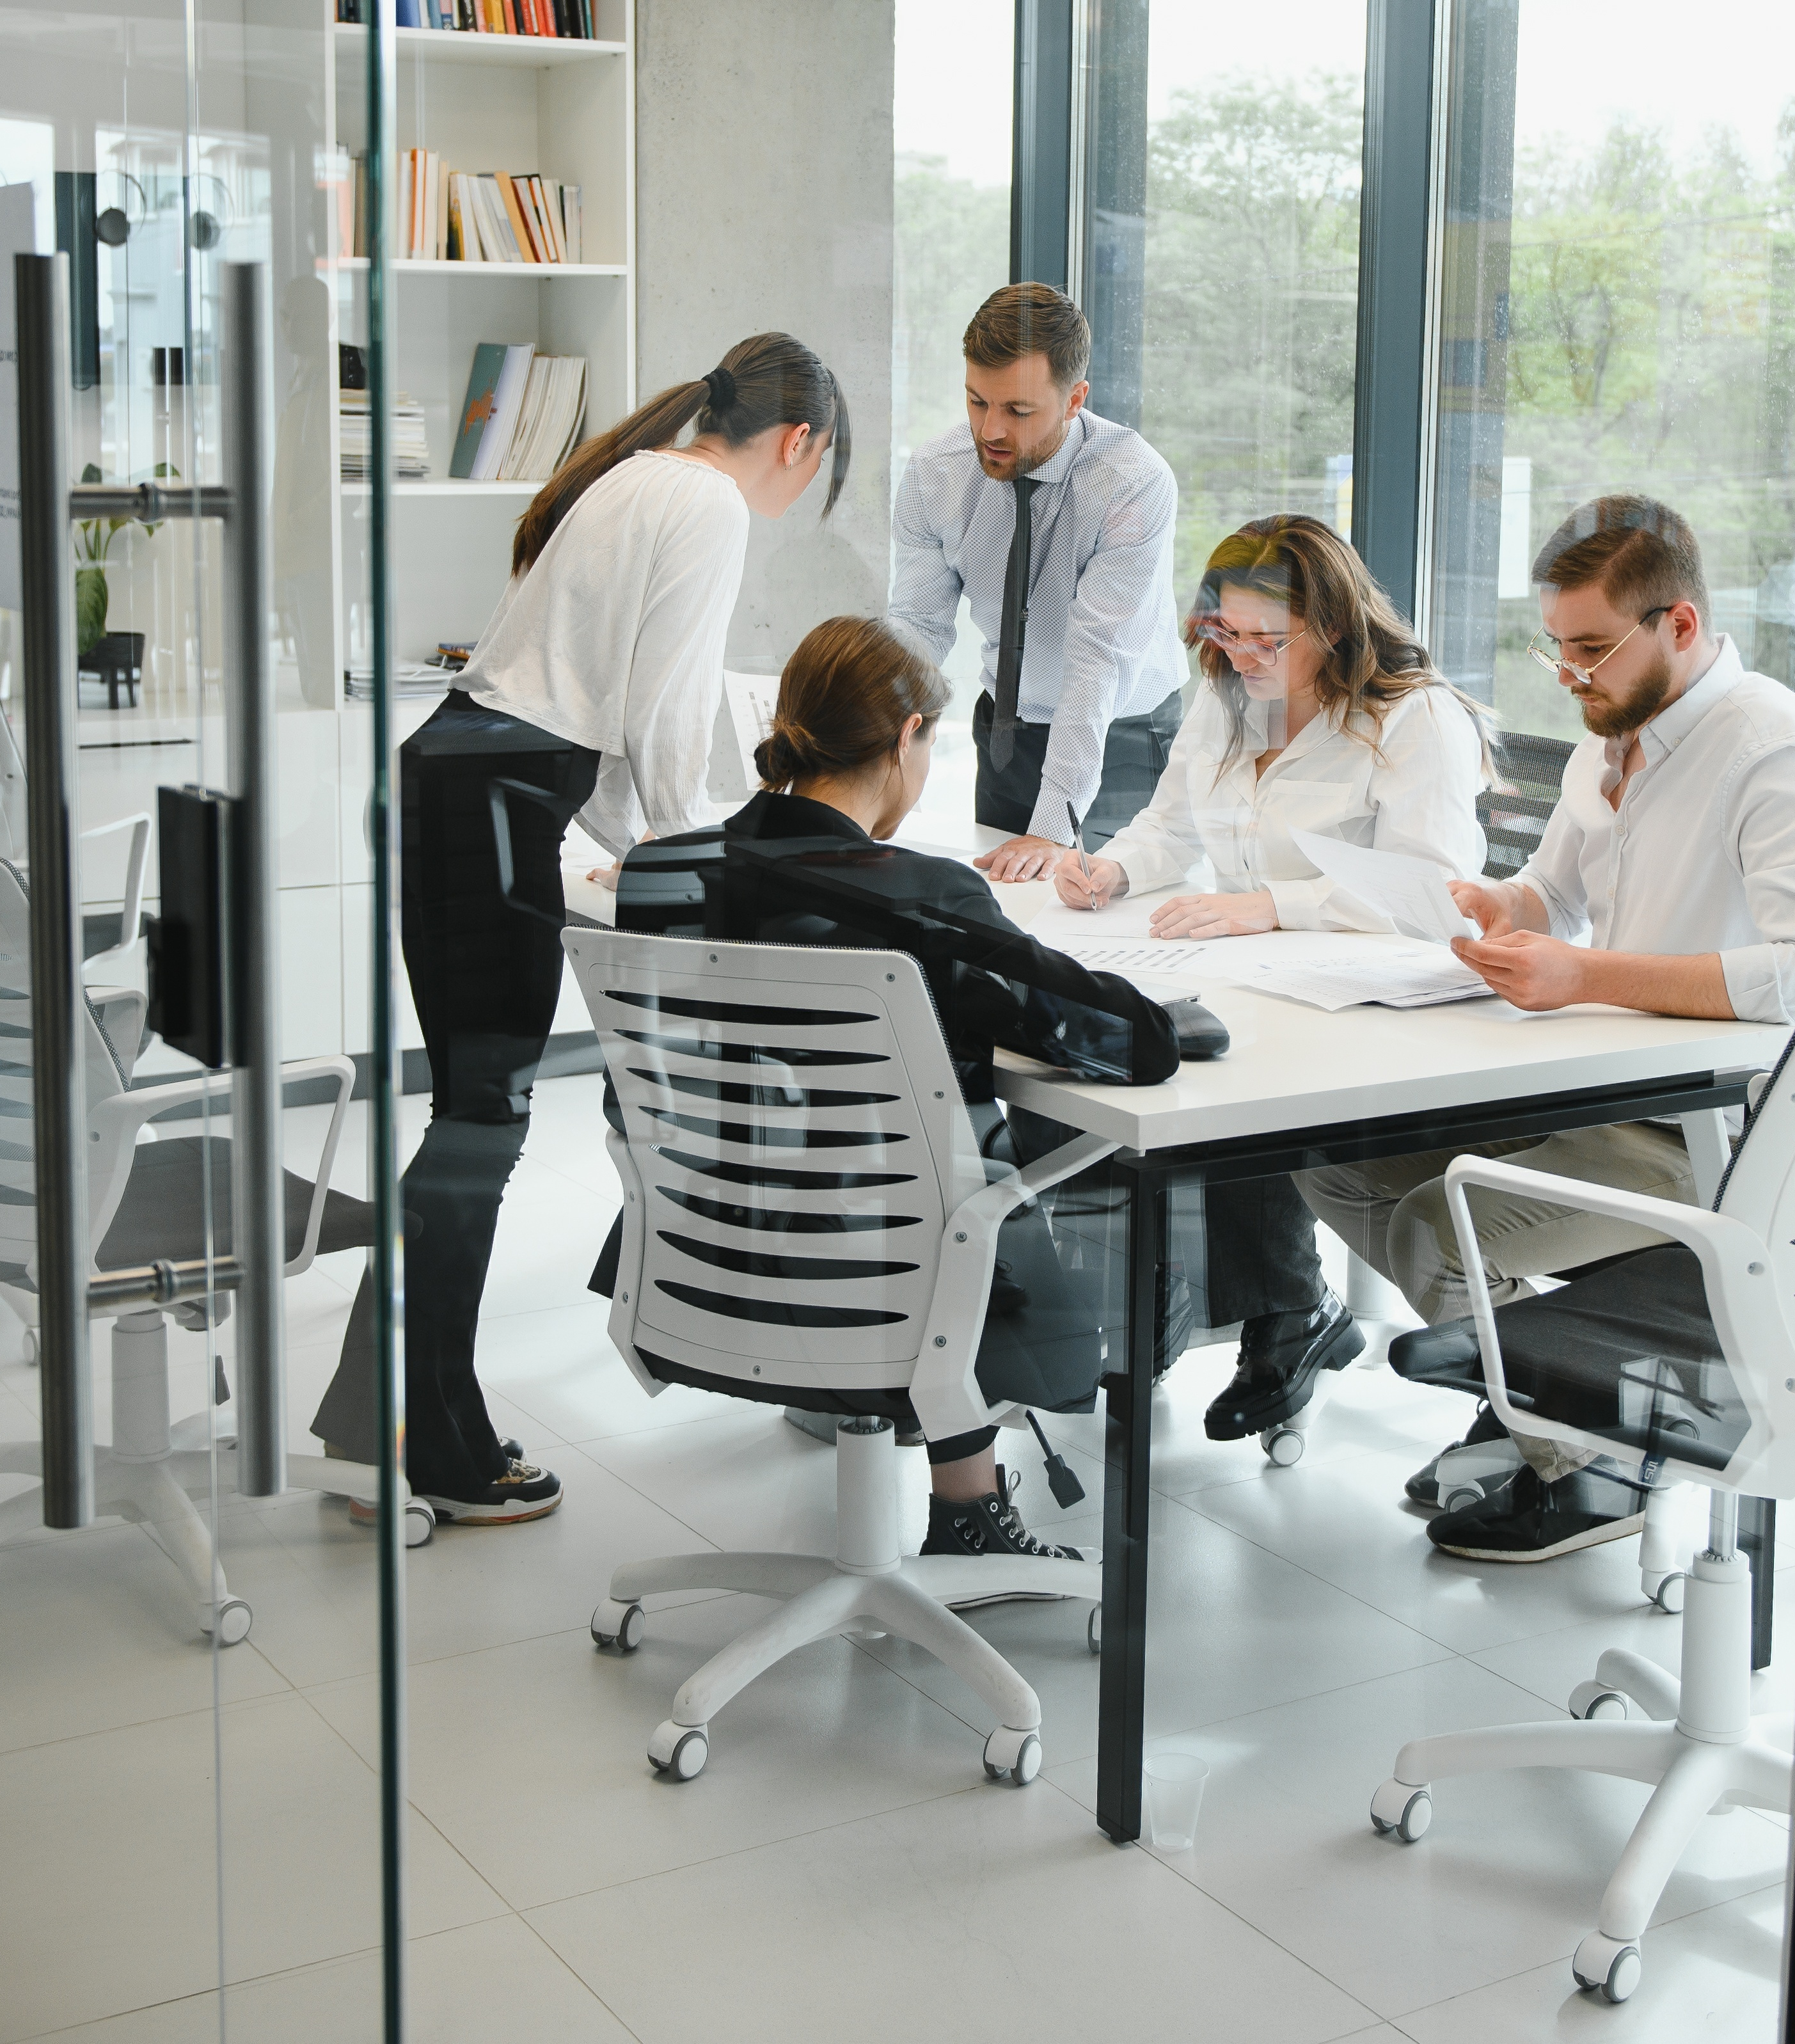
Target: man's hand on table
{"points": [[1020, 859]]}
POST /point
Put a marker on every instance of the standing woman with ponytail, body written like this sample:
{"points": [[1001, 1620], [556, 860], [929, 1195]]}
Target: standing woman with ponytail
{"points": [[592, 693]]}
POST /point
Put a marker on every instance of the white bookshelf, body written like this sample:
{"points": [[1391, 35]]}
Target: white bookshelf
{"points": [[526, 52], [563, 108]]}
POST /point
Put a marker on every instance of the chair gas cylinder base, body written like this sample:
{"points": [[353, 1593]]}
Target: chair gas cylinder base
{"points": [[867, 1588], [1678, 1363]]}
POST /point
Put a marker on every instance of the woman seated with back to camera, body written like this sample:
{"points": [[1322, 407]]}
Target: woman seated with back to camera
{"points": [[1318, 710], [846, 761]]}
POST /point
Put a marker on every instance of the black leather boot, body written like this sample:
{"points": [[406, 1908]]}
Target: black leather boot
{"points": [[1281, 1356]]}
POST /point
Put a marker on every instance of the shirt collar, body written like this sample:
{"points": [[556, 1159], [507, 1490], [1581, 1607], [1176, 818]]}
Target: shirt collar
{"points": [[1660, 735], [1062, 464]]}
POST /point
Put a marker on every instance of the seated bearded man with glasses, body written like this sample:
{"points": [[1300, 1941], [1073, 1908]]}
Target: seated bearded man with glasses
{"points": [[1673, 847], [1317, 710]]}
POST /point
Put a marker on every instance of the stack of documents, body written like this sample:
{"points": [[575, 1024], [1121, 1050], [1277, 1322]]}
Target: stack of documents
{"points": [[408, 449]]}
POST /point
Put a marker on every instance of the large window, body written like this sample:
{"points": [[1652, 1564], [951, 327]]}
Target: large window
{"points": [[1617, 314], [1221, 255]]}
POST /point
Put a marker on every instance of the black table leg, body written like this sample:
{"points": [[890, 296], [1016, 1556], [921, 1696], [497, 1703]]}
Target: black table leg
{"points": [[1128, 1468], [1756, 1541]]}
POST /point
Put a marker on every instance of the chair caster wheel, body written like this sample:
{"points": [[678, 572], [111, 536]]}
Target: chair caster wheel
{"points": [[1608, 1964], [31, 1351], [1461, 1497], [1669, 1594], [421, 1523], [1093, 1629], [1016, 1754], [229, 1622], [679, 1751], [1400, 1807], [1596, 1699], [620, 1625], [1283, 1445]]}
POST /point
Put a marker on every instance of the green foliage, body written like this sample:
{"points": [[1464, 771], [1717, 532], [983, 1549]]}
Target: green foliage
{"points": [[93, 547]]}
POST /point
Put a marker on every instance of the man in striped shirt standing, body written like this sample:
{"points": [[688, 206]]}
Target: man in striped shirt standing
{"points": [[1056, 525]]}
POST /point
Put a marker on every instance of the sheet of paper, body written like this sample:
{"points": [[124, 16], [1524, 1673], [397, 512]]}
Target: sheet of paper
{"points": [[744, 718], [1397, 979], [1063, 928], [1150, 955], [1412, 891]]}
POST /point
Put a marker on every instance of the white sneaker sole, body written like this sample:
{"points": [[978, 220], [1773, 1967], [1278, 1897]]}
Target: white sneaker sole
{"points": [[457, 1512], [1591, 1536]]}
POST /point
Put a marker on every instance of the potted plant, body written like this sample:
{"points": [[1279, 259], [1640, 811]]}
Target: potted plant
{"points": [[115, 658]]}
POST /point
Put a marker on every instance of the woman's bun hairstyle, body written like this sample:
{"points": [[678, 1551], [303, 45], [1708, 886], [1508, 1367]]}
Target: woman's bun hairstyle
{"points": [[844, 698]]}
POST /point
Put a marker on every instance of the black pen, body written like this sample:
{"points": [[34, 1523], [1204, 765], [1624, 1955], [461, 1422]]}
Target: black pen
{"points": [[1078, 846]]}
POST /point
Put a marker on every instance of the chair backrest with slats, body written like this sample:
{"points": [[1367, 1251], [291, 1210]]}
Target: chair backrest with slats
{"points": [[796, 1141], [1513, 814], [104, 1076]]}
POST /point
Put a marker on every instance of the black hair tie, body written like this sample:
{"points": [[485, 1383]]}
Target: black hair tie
{"points": [[721, 386]]}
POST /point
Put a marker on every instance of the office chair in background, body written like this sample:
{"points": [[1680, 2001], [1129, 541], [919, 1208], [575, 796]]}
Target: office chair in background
{"points": [[1682, 1366], [147, 1201], [806, 1213]]}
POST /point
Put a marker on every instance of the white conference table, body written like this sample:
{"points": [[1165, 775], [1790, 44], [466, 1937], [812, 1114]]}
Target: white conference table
{"points": [[1300, 1087]]}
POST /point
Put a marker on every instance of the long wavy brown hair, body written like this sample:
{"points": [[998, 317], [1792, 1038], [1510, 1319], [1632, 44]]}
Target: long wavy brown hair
{"points": [[1371, 657]]}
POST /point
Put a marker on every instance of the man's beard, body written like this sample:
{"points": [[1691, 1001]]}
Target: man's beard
{"points": [[1648, 697], [1026, 464]]}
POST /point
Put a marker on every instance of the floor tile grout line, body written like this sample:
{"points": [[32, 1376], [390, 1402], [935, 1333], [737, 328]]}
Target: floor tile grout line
{"points": [[628, 2029]]}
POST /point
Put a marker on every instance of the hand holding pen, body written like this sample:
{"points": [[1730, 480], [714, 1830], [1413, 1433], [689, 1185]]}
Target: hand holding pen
{"points": [[1083, 882]]}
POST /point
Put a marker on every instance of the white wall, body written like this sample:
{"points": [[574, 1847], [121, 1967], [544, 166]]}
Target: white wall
{"points": [[764, 200]]}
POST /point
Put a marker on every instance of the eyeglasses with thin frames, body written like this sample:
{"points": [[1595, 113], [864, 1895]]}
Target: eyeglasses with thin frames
{"points": [[1256, 647], [1550, 651]]}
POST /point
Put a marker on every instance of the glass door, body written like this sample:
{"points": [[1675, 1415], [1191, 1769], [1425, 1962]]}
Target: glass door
{"points": [[199, 1593]]}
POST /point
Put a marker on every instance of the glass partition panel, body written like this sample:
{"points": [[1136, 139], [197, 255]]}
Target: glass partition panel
{"points": [[1617, 314]]}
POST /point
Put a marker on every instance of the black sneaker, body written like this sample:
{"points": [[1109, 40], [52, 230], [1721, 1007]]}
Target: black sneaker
{"points": [[1281, 1356], [369, 1514], [523, 1491], [1530, 1520], [992, 1525], [1423, 1487]]}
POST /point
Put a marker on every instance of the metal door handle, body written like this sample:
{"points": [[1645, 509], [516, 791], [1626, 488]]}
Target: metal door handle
{"points": [[47, 503]]}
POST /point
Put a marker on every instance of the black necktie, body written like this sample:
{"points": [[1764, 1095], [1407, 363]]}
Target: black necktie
{"points": [[1014, 629]]}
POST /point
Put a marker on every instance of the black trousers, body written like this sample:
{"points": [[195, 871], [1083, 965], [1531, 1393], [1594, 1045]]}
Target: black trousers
{"points": [[1241, 1250], [1134, 754], [485, 975]]}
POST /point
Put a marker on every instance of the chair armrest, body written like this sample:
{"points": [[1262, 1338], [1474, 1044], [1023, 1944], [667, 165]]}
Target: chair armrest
{"points": [[1735, 1271], [343, 1070], [121, 1010], [944, 1386], [136, 865]]}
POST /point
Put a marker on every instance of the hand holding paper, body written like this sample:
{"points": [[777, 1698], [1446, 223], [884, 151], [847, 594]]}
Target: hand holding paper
{"points": [[1412, 891]]}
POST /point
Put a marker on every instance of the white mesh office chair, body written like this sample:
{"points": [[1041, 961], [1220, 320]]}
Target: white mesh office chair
{"points": [[146, 1201], [1661, 1390], [782, 1234]]}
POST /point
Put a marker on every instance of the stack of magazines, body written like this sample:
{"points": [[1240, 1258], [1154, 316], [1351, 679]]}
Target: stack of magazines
{"points": [[410, 454], [522, 414]]}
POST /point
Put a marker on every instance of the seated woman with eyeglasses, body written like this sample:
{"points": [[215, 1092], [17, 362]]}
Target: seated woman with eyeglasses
{"points": [[1318, 710]]}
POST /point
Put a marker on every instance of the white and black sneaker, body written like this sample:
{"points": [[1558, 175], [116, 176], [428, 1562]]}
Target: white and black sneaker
{"points": [[361, 1514], [992, 1525], [523, 1491]]}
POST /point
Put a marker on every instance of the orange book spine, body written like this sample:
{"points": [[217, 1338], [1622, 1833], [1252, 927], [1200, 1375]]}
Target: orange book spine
{"points": [[511, 27], [526, 241]]}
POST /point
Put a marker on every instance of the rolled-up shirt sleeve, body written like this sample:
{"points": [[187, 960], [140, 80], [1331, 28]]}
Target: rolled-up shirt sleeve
{"points": [[925, 587], [1554, 874], [1760, 977], [1124, 599], [1424, 789]]}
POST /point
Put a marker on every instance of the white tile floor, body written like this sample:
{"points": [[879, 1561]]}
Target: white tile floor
{"points": [[842, 1866]]}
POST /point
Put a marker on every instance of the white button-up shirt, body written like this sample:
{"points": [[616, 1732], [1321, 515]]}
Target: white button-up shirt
{"points": [[1102, 640], [1701, 855], [1227, 830]]}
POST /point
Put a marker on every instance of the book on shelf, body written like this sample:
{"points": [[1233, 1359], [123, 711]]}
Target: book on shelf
{"points": [[522, 414], [472, 217], [487, 17], [409, 451]]}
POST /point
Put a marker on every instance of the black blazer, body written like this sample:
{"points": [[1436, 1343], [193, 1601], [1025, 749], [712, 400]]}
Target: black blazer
{"points": [[787, 870]]}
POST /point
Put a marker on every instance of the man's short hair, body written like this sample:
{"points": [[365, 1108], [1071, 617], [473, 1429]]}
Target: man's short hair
{"points": [[1031, 318], [1643, 555]]}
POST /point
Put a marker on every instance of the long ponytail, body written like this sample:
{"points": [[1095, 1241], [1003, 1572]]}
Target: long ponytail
{"points": [[769, 379]]}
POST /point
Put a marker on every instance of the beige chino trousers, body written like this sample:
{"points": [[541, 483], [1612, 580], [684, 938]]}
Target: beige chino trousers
{"points": [[1393, 1213]]}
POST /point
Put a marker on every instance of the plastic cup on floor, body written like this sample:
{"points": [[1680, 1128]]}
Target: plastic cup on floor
{"points": [[1174, 1794]]}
